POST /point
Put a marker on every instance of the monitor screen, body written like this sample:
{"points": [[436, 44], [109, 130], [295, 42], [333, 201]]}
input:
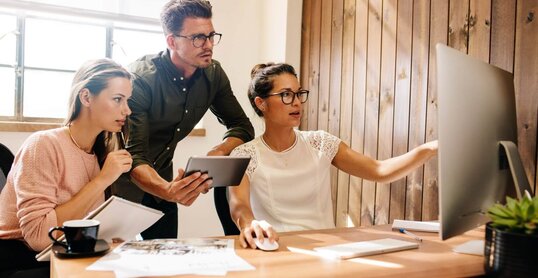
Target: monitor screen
{"points": [[477, 111]]}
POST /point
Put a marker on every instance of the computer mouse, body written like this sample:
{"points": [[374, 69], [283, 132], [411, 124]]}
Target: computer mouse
{"points": [[266, 245]]}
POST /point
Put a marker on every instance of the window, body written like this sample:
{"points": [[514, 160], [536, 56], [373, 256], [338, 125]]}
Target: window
{"points": [[40, 50], [53, 51], [126, 46], [8, 61]]}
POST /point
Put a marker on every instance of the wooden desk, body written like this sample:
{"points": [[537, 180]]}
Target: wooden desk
{"points": [[434, 258]]}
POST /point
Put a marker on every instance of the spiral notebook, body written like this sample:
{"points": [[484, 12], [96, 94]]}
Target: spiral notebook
{"points": [[365, 248]]}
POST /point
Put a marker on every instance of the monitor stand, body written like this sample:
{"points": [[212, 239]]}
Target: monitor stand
{"points": [[509, 153], [521, 182]]}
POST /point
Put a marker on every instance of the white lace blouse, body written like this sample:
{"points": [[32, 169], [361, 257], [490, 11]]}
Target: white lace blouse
{"points": [[291, 189]]}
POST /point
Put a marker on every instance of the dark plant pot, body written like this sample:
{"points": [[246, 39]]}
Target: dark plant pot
{"points": [[510, 254]]}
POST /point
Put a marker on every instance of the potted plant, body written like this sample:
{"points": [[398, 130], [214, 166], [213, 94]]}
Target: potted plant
{"points": [[512, 239]]}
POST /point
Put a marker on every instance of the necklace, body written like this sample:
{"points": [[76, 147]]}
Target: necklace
{"points": [[83, 159], [75, 141], [277, 149]]}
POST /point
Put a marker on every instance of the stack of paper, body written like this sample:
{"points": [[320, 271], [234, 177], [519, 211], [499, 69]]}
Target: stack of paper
{"points": [[165, 257], [421, 226]]}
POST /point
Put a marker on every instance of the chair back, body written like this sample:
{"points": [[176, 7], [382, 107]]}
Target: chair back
{"points": [[220, 195], [6, 160]]}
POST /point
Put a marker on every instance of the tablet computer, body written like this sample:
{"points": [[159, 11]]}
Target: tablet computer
{"points": [[224, 170]]}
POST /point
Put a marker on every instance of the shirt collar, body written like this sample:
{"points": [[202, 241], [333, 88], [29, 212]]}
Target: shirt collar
{"points": [[173, 73]]}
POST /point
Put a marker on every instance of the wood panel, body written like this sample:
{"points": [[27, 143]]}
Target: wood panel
{"points": [[417, 116], [346, 106], [479, 29], [324, 83], [503, 32], [313, 69], [386, 105], [373, 71], [305, 56], [401, 102], [359, 104], [438, 34], [325, 64], [336, 94], [458, 25], [377, 89], [526, 83]]}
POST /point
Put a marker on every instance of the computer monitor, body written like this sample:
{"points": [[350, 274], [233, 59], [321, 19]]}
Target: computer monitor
{"points": [[478, 158]]}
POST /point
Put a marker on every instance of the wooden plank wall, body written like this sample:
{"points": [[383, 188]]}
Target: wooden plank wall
{"points": [[370, 67]]}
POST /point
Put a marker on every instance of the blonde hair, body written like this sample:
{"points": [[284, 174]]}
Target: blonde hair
{"points": [[94, 75]]}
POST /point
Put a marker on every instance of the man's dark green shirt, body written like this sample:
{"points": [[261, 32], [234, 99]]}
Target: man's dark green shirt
{"points": [[166, 107]]}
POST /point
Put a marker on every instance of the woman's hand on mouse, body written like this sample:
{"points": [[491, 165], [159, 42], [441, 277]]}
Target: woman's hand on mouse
{"points": [[258, 229]]}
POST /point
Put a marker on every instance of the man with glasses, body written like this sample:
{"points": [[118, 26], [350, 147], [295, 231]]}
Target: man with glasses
{"points": [[172, 91]]}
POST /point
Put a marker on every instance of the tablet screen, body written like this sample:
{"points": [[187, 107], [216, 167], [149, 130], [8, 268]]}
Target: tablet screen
{"points": [[224, 170]]}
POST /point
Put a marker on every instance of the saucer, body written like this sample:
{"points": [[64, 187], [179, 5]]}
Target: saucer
{"points": [[101, 247]]}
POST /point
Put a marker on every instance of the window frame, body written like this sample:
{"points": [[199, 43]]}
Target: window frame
{"points": [[111, 22]]}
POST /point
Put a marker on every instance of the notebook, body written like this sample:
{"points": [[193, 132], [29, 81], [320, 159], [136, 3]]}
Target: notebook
{"points": [[421, 226], [119, 218], [365, 248]]}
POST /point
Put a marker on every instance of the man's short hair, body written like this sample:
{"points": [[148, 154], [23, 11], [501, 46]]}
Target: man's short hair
{"points": [[175, 11]]}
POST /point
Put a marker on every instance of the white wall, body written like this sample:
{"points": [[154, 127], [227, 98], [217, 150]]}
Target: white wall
{"points": [[253, 32]]}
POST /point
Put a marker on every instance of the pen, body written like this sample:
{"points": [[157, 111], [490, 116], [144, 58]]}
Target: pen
{"points": [[404, 231], [121, 141]]}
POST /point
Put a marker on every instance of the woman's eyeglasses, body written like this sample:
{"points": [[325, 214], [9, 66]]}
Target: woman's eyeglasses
{"points": [[288, 96]]}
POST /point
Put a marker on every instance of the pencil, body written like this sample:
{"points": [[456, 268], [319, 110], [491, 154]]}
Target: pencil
{"points": [[121, 140]]}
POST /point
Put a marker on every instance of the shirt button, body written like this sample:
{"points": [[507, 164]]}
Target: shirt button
{"points": [[167, 148], [181, 78], [174, 79], [186, 111], [178, 129], [184, 89]]}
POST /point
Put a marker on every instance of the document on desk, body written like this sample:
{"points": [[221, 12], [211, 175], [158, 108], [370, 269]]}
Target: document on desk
{"points": [[365, 248], [119, 218], [165, 257], [420, 226]]}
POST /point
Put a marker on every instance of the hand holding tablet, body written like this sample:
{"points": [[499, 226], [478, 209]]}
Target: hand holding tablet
{"points": [[223, 170]]}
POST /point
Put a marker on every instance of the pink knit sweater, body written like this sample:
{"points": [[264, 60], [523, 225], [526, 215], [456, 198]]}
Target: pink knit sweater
{"points": [[48, 170]]}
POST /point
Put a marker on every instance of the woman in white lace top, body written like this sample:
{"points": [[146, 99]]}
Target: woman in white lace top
{"points": [[287, 185]]}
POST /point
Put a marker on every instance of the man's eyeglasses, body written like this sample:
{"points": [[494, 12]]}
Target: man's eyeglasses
{"points": [[288, 96], [199, 40]]}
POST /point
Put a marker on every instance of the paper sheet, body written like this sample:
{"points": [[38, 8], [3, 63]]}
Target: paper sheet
{"points": [[165, 257]]}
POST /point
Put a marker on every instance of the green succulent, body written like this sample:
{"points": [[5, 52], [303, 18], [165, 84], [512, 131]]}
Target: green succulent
{"points": [[516, 216]]}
